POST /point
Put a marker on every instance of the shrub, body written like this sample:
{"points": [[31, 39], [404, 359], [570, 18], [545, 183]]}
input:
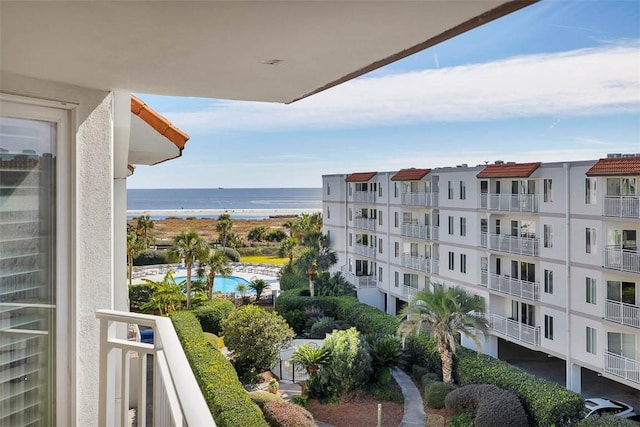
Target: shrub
{"points": [[232, 254], [153, 257], [429, 377], [321, 327], [291, 280], [386, 353], [297, 320], [260, 397], [212, 313], [287, 414], [276, 236], [228, 401], [418, 371], [463, 420], [139, 295], [256, 336], [435, 392], [422, 350], [212, 339], [607, 420], [300, 401], [257, 234], [491, 405], [545, 403]]}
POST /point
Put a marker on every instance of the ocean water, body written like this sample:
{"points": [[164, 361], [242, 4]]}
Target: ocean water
{"points": [[224, 198]]}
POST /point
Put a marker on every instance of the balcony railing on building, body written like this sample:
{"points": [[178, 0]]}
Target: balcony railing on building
{"points": [[514, 329], [427, 232], [420, 198], [419, 263], [364, 250], [176, 399], [516, 287], [360, 281], [622, 366], [409, 291], [618, 258], [622, 206], [623, 313], [365, 223], [510, 202], [511, 244], [364, 196]]}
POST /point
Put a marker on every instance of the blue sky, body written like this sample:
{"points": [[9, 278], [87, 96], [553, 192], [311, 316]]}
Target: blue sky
{"points": [[558, 80]]}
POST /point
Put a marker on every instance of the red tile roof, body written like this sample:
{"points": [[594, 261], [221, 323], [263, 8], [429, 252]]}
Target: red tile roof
{"points": [[412, 174], [514, 170], [360, 176], [616, 166], [159, 123]]}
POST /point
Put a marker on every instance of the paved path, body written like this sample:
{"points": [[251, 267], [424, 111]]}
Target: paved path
{"points": [[414, 415]]}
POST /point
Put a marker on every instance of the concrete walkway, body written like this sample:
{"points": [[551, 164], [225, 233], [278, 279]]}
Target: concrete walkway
{"points": [[414, 415]]}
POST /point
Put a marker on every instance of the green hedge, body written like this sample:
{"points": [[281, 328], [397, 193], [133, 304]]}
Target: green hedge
{"points": [[546, 403], [154, 257], [435, 392], [212, 313], [139, 295], [228, 401], [422, 350]]}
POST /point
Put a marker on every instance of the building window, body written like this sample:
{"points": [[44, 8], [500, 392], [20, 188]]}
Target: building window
{"points": [[463, 190], [621, 186], [380, 274], [396, 247], [548, 190], [548, 327], [548, 281], [548, 236], [592, 340], [590, 191], [451, 261], [450, 193], [329, 236], [350, 239], [380, 190], [591, 290], [396, 277], [328, 189], [463, 263], [379, 217], [350, 215], [350, 189], [450, 225], [395, 190], [379, 246], [396, 219], [590, 240], [463, 226], [328, 213]]}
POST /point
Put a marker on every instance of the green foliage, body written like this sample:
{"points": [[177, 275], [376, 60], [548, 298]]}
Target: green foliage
{"points": [[297, 320], [287, 414], [232, 254], [463, 420], [386, 353], [258, 285], [490, 405], [260, 397], [291, 280], [545, 403], [256, 336], [311, 358], [386, 393], [350, 368], [257, 234], [213, 339], [228, 401], [322, 326], [276, 236], [435, 393], [429, 377], [139, 295], [153, 257], [300, 401], [333, 286], [422, 350], [608, 420], [212, 313], [167, 295]]}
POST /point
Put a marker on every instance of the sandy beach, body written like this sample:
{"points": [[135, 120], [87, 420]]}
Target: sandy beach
{"points": [[265, 213]]}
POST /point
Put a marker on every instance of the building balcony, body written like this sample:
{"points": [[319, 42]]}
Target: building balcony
{"points": [[364, 223], [427, 232], [359, 281], [510, 202], [528, 246], [514, 329], [419, 263], [623, 313], [622, 206], [516, 287], [364, 250], [621, 366], [422, 199], [364, 196], [409, 291], [172, 396], [617, 258]]}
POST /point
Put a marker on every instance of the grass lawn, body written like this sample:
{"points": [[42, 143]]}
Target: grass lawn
{"points": [[264, 259]]}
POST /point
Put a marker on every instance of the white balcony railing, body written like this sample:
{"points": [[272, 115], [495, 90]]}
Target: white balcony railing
{"points": [[420, 198], [511, 244], [409, 291], [510, 202], [516, 287], [484, 278], [620, 312], [359, 281], [365, 223], [419, 231], [364, 196], [622, 206], [622, 366], [419, 263], [176, 397], [617, 258], [364, 250], [514, 329]]}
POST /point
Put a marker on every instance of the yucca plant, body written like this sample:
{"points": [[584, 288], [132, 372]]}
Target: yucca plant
{"points": [[311, 358], [386, 353]]}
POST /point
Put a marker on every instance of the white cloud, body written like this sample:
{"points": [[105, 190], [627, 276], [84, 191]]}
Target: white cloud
{"points": [[582, 82]]}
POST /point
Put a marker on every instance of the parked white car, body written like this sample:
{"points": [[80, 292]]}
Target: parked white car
{"points": [[601, 406]]}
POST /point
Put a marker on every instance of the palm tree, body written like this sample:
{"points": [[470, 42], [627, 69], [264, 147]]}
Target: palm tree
{"points": [[167, 296], [311, 358], [446, 313], [135, 245], [242, 288], [145, 223], [223, 227], [190, 247], [288, 249], [316, 257], [216, 262], [258, 285]]}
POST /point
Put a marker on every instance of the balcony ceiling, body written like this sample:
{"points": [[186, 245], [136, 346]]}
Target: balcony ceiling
{"points": [[266, 51]]}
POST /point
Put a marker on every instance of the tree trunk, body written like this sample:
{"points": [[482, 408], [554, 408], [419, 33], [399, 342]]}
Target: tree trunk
{"points": [[212, 279], [188, 265], [311, 290], [446, 356], [130, 265]]}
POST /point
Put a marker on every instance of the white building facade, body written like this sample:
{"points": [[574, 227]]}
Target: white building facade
{"points": [[552, 248]]}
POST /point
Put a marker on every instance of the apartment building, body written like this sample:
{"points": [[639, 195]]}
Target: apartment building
{"points": [[551, 247]]}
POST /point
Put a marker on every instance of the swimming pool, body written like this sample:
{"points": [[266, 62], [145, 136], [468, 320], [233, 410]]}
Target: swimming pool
{"points": [[224, 284]]}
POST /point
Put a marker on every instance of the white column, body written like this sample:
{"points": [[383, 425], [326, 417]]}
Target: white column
{"points": [[574, 379]]}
